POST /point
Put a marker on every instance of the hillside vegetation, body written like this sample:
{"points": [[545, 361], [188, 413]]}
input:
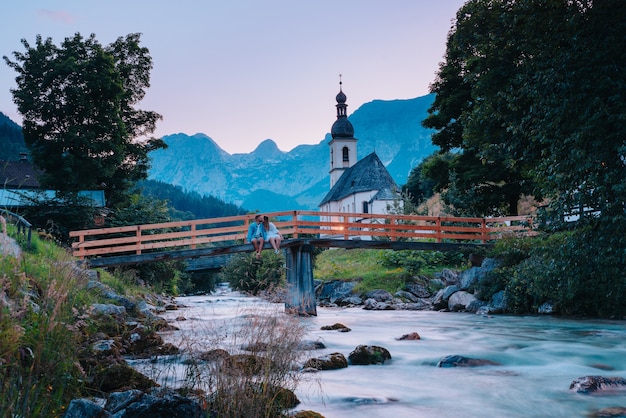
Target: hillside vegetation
{"points": [[11, 139], [43, 305]]}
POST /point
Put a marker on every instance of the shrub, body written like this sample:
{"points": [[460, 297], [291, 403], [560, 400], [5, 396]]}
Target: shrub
{"points": [[247, 274], [579, 272]]}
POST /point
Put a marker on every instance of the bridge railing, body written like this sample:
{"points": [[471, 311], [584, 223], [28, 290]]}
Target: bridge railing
{"points": [[294, 224]]}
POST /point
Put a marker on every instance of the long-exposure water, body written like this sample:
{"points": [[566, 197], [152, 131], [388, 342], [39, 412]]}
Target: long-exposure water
{"points": [[538, 357]]}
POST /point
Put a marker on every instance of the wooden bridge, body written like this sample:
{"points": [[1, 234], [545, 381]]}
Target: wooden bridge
{"points": [[303, 230]]}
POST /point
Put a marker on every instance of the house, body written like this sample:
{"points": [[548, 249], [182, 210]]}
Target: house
{"points": [[20, 186], [363, 186]]}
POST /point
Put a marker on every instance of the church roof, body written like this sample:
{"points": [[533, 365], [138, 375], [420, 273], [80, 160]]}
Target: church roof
{"points": [[367, 174], [342, 128]]}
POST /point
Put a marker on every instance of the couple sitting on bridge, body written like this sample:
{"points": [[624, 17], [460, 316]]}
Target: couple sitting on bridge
{"points": [[262, 230]]}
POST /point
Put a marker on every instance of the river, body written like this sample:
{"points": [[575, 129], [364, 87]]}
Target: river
{"points": [[538, 357]]}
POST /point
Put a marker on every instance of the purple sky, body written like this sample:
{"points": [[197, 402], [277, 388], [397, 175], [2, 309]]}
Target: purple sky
{"points": [[245, 71]]}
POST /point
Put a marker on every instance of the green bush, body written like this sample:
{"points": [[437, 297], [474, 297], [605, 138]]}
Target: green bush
{"points": [[579, 272], [247, 274]]}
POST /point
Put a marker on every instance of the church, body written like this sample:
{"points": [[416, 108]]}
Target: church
{"points": [[363, 186]]}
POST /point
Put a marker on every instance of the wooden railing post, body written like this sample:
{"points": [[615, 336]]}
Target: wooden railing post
{"points": [[344, 222], [394, 230], [81, 239], [483, 228], [296, 224], [193, 236], [138, 236], [438, 231]]}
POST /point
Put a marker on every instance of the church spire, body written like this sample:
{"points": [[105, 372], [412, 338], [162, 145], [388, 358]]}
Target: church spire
{"points": [[342, 128], [343, 142]]}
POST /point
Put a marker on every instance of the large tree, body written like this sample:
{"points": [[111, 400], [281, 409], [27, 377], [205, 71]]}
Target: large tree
{"points": [[574, 102], [80, 124], [532, 94], [470, 115]]}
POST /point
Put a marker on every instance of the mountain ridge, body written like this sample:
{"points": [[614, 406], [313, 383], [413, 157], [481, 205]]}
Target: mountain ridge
{"points": [[268, 179]]}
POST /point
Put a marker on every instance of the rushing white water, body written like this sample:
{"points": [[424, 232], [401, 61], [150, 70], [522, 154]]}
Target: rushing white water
{"points": [[539, 357]]}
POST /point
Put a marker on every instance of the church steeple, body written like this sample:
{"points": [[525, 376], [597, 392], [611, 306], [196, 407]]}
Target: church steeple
{"points": [[343, 144], [342, 128]]}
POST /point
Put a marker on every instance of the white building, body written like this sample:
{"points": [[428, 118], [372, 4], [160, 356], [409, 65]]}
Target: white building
{"points": [[363, 186]]}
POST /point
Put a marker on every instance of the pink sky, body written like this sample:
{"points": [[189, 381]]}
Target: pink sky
{"points": [[244, 71]]}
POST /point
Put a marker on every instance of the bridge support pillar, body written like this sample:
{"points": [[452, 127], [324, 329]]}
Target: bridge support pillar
{"points": [[300, 289]]}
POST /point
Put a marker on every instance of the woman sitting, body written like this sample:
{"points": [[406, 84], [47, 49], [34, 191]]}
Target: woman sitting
{"points": [[273, 235]]}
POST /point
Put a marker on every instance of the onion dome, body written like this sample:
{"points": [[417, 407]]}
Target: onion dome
{"points": [[342, 128]]}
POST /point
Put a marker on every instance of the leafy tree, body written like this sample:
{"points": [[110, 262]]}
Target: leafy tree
{"points": [[543, 84], [80, 124], [574, 107], [534, 93], [469, 115], [431, 175]]}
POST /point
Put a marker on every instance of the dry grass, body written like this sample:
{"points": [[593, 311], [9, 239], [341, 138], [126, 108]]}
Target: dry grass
{"points": [[248, 366]]}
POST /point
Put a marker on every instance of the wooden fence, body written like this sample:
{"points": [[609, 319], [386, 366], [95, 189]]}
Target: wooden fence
{"points": [[232, 230]]}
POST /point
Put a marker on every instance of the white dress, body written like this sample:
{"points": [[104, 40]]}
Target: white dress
{"points": [[273, 232]]}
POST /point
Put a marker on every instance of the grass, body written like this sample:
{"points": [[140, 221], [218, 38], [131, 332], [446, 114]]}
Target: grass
{"points": [[380, 269], [39, 371], [43, 305]]}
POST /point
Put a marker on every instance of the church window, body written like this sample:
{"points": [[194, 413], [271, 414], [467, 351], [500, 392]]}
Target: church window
{"points": [[346, 155], [365, 207]]}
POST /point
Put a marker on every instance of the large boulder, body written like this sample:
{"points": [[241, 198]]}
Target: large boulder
{"points": [[449, 277], [85, 408], [368, 354], [335, 291], [461, 361], [595, 384], [407, 296], [110, 294], [468, 278], [417, 289], [610, 412], [496, 305], [374, 305], [331, 361], [440, 301], [379, 295], [459, 301], [336, 327], [121, 375], [164, 405]]}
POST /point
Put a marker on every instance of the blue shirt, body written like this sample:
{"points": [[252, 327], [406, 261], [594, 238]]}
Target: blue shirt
{"points": [[256, 230]]}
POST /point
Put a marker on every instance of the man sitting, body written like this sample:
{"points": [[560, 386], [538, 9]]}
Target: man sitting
{"points": [[257, 235]]}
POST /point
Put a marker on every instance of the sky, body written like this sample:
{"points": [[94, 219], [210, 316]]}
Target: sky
{"points": [[242, 71]]}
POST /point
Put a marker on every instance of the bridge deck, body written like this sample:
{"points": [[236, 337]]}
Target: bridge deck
{"points": [[210, 237], [221, 255]]}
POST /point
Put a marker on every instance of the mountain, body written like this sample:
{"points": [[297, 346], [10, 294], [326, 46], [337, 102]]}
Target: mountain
{"points": [[297, 179], [11, 139]]}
